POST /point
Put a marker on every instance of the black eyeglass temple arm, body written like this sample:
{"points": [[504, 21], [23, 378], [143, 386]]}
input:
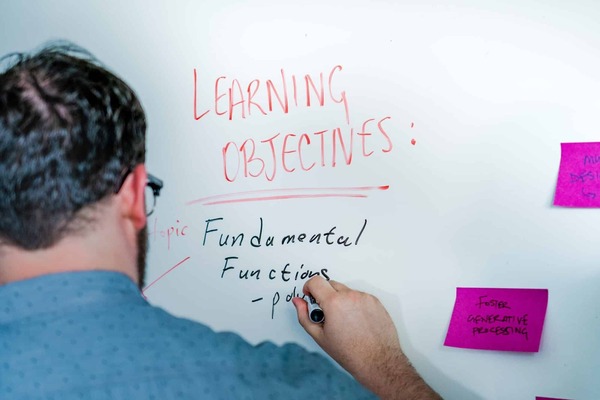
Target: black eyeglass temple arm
{"points": [[155, 184]]}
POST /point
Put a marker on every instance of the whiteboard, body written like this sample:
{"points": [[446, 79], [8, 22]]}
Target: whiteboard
{"points": [[466, 105]]}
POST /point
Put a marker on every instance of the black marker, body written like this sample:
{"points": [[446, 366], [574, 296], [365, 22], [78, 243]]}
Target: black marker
{"points": [[315, 313]]}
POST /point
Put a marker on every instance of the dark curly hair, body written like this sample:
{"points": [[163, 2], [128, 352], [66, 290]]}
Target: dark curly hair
{"points": [[69, 132]]}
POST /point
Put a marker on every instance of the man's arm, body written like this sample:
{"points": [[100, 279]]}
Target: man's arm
{"points": [[359, 334]]}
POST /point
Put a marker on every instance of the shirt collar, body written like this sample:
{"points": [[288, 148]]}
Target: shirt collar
{"points": [[62, 291]]}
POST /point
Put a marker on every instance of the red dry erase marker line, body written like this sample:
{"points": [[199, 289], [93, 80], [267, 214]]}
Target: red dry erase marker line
{"points": [[288, 197], [276, 194], [160, 277]]}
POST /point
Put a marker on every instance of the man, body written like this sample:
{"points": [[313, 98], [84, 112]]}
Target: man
{"points": [[73, 324]]}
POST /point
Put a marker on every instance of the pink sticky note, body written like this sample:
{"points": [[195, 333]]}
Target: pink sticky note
{"points": [[548, 398], [578, 182], [498, 319]]}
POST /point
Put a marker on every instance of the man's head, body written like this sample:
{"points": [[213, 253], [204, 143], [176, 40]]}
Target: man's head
{"points": [[69, 131], [70, 134]]}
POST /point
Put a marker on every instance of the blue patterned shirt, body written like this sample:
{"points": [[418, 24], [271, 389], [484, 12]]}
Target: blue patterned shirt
{"points": [[91, 335]]}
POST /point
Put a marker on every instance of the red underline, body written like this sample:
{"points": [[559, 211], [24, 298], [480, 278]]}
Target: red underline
{"points": [[280, 194], [160, 277]]}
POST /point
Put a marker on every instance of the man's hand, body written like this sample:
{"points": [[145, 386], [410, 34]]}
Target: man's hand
{"points": [[359, 334]]}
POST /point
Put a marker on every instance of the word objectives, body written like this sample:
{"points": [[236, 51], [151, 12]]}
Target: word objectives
{"points": [[291, 150], [291, 273]]}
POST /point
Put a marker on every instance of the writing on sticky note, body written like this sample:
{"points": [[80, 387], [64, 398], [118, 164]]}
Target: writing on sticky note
{"points": [[498, 319], [578, 183]]}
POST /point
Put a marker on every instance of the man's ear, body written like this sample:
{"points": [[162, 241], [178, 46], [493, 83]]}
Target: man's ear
{"points": [[133, 204]]}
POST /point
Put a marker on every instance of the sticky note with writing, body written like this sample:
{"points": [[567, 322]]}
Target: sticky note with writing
{"points": [[498, 319], [578, 182]]}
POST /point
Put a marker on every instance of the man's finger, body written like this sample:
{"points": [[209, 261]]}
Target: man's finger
{"points": [[318, 288], [339, 287]]}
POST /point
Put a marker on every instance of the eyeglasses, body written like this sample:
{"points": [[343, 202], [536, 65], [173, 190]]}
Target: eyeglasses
{"points": [[153, 187]]}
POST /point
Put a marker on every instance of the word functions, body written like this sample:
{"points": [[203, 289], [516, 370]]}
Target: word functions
{"points": [[286, 149], [498, 319], [578, 183], [291, 275]]}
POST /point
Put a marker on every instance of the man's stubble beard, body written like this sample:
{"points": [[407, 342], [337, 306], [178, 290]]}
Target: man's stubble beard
{"points": [[142, 240]]}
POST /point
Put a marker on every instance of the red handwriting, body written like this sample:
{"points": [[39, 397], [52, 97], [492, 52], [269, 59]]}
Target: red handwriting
{"points": [[231, 98], [177, 230], [290, 151], [263, 159]]}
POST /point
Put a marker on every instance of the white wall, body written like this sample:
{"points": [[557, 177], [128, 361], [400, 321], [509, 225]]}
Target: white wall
{"points": [[490, 92]]}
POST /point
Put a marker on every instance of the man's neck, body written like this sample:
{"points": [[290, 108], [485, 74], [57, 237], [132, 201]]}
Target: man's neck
{"points": [[105, 247], [16, 265]]}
